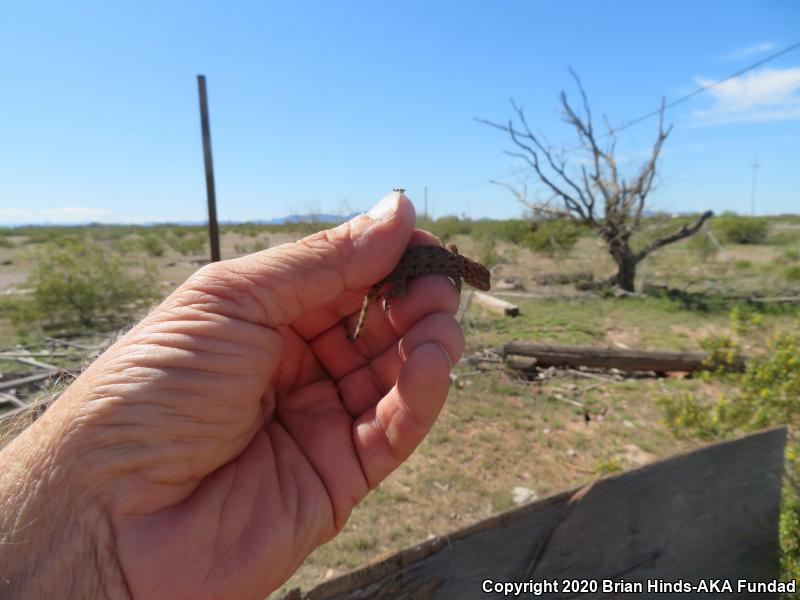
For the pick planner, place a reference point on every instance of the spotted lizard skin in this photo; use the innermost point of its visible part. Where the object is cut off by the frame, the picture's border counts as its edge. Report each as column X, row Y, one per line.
column 420, row 260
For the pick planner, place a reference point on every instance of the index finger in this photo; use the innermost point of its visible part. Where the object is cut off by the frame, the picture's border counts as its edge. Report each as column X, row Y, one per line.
column 316, row 322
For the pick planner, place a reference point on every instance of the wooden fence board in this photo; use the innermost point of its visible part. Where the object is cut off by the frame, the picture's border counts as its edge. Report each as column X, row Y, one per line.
column 708, row 513
column 626, row 359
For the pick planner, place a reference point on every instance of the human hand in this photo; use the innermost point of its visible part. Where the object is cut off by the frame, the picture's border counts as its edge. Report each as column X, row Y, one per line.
column 234, row 429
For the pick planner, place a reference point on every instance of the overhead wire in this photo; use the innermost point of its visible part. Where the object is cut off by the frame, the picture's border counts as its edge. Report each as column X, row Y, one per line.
column 652, row 113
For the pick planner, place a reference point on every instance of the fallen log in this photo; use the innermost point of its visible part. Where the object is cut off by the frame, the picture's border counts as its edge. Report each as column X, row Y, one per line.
column 551, row 355
column 496, row 305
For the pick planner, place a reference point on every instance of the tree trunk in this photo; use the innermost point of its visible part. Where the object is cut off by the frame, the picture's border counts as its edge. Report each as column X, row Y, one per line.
column 626, row 274
column 626, row 264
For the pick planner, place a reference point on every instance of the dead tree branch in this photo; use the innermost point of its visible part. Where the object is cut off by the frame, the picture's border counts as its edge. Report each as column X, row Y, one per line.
column 596, row 192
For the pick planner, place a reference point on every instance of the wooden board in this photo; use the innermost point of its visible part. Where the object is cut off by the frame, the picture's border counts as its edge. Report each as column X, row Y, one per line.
column 626, row 359
column 707, row 514
column 496, row 304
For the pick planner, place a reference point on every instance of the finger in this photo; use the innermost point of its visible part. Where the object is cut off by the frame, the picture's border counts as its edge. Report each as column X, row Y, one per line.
column 439, row 327
column 386, row 435
column 426, row 295
column 298, row 366
column 331, row 315
column 363, row 388
column 314, row 418
column 276, row 286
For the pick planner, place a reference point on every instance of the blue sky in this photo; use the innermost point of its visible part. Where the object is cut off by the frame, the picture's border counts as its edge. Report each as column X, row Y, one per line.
column 325, row 106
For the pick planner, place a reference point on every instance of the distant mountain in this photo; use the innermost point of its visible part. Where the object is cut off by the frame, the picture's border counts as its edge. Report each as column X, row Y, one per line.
column 307, row 218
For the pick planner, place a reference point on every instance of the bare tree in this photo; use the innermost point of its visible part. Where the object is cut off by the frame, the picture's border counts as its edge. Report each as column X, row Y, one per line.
column 594, row 192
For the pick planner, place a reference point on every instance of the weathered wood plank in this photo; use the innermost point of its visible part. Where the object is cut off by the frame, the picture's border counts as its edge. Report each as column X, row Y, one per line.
column 709, row 513
column 553, row 355
column 28, row 380
column 496, row 304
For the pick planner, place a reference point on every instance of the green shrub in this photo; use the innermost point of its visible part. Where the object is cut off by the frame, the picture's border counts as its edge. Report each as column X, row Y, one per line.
column 743, row 264
column 152, row 244
column 251, row 247
column 791, row 254
column 768, row 394
column 81, row 283
column 489, row 256
column 510, row 230
column 792, row 273
column 188, row 243
column 736, row 229
column 703, row 246
column 555, row 237
column 446, row 227
column 783, row 238
column 127, row 245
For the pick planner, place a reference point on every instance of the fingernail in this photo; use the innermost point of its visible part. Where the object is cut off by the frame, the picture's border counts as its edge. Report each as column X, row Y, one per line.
column 385, row 208
column 444, row 351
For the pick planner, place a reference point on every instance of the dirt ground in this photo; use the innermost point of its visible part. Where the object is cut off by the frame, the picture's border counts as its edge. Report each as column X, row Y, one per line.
column 498, row 430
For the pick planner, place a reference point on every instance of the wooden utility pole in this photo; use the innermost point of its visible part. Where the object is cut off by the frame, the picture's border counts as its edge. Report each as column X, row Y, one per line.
column 755, row 167
column 213, row 227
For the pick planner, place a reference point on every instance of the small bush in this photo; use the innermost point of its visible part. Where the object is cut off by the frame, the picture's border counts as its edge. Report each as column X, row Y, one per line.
column 446, row 227
column 251, row 247
column 555, row 237
column 153, row 245
column 127, row 245
column 791, row 254
column 783, row 238
column 743, row 264
column 703, row 246
column 736, row 229
column 768, row 394
column 489, row 256
column 188, row 243
column 792, row 273
column 510, row 230
column 80, row 282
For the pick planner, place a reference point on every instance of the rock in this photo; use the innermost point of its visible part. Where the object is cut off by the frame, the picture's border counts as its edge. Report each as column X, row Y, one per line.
column 522, row 495
column 508, row 283
column 633, row 455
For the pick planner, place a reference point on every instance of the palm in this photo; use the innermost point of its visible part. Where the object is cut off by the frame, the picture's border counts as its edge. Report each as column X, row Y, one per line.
column 282, row 430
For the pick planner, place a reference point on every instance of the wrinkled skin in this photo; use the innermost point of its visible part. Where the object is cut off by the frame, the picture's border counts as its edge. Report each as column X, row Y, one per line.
column 235, row 428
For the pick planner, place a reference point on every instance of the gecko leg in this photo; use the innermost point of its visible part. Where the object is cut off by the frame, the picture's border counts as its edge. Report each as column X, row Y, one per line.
column 369, row 297
column 398, row 289
column 457, row 283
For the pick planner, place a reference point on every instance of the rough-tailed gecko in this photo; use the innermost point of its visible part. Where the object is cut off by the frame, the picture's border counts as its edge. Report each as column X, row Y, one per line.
column 420, row 260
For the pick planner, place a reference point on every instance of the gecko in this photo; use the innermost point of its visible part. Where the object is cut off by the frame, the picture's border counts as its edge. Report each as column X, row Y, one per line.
column 420, row 260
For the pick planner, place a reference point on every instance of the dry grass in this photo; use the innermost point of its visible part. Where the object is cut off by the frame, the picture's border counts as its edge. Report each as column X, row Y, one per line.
column 497, row 431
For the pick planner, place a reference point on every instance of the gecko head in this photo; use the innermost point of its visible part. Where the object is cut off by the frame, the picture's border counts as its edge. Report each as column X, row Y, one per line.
column 478, row 276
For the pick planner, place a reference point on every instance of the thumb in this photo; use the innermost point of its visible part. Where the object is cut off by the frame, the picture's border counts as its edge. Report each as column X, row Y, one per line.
column 291, row 280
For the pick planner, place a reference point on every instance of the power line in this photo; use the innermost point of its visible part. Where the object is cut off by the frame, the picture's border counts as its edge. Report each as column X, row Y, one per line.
column 653, row 113
column 713, row 84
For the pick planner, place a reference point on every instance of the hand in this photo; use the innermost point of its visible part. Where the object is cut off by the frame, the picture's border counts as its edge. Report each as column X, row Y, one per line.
column 235, row 428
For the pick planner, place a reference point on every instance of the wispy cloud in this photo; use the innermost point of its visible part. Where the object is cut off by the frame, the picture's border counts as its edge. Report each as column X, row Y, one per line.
column 63, row 215
column 764, row 95
column 749, row 51
column 78, row 213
